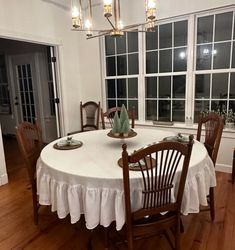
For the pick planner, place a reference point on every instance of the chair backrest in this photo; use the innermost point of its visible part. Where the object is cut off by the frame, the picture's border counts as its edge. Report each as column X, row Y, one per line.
column 30, row 143
column 158, row 164
column 109, row 114
column 90, row 113
column 214, row 125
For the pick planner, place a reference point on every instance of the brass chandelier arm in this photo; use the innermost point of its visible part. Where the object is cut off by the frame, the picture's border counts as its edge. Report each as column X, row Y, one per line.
column 111, row 23
column 99, row 35
column 136, row 25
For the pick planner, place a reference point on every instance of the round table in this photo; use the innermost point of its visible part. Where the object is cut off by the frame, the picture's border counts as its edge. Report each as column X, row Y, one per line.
column 88, row 180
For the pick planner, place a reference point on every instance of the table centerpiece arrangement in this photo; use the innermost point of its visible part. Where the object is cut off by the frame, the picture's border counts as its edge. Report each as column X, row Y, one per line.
column 121, row 125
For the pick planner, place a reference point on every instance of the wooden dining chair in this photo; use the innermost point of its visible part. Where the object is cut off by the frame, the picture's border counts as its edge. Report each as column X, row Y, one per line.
column 30, row 144
column 213, row 125
column 161, row 193
column 109, row 115
column 89, row 115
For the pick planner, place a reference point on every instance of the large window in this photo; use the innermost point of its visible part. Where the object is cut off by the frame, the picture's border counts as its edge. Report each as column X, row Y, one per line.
column 215, row 63
column 166, row 68
column 122, row 70
column 170, row 75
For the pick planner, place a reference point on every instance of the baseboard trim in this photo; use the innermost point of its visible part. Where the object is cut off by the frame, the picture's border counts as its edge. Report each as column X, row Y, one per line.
column 3, row 179
column 223, row 168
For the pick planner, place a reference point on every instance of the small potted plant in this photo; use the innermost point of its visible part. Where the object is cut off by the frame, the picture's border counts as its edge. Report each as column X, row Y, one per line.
column 124, row 121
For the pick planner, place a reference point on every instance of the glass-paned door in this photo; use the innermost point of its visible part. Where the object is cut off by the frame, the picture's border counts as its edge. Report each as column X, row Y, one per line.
column 24, row 79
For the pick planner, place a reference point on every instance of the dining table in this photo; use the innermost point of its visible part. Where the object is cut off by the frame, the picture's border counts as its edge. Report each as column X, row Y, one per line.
column 88, row 180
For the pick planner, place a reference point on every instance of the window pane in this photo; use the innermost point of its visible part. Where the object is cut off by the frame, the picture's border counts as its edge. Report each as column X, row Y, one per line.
column 109, row 45
column 179, row 86
column 111, row 92
column 204, row 57
column 221, row 55
column 152, row 40
column 133, row 87
column 151, row 62
column 121, row 44
column 178, row 111
column 180, row 33
column 24, row 70
column 219, row 85
column 110, row 66
column 205, row 29
column 165, row 61
column 233, row 62
column 151, row 110
column 134, row 104
column 232, row 86
column 232, row 105
column 219, row 105
column 180, row 59
column 202, row 87
column 164, row 87
column 121, row 102
column 199, row 107
column 164, row 110
column 151, row 87
column 121, row 88
column 133, row 64
column 165, row 33
column 223, row 26
column 111, row 104
column 132, row 42
column 121, row 65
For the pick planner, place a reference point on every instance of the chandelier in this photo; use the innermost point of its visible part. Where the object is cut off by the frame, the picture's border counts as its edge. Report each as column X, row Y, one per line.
column 111, row 10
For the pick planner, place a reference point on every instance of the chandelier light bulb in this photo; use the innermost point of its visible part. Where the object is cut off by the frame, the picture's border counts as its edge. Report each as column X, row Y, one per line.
column 88, row 27
column 150, row 9
column 151, row 4
column 107, row 8
column 75, row 12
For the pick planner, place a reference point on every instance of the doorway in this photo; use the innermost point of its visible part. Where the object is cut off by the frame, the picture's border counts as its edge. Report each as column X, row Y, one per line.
column 30, row 86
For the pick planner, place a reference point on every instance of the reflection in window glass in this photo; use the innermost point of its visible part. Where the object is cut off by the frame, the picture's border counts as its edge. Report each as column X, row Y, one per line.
column 133, row 64
column 232, row 105
column 111, row 104
column 200, row 106
column 180, row 59
column 233, row 61
column 121, row 44
column 121, row 65
column 110, row 86
column 178, row 111
column 109, row 45
column 152, row 40
column 165, row 61
column 151, row 87
column 221, row 55
column 205, row 29
column 180, row 33
column 151, row 110
column 179, row 86
column 133, row 88
column 232, row 86
column 164, row 87
column 164, row 110
column 134, row 103
column 204, row 57
column 132, row 42
column 202, row 86
column 152, row 62
column 219, row 86
column 219, row 105
column 223, row 26
column 165, row 33
column 110, row 66
column 121, row 88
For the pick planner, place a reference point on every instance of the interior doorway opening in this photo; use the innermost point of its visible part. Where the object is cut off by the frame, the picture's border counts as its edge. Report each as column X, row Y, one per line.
column 28, row 87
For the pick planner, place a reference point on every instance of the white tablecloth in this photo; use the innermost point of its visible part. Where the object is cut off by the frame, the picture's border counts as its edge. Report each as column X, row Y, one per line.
column 88, row 180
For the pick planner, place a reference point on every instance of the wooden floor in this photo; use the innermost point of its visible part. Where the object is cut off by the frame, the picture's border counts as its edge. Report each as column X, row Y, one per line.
column 17, row 230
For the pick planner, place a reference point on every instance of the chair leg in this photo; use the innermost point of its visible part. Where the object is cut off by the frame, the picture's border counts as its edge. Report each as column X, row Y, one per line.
column 106, row 238
column 212, row 203
column 233, row 169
